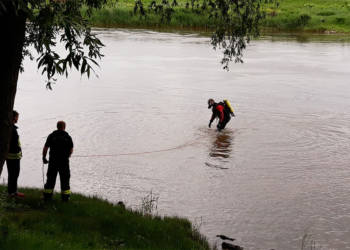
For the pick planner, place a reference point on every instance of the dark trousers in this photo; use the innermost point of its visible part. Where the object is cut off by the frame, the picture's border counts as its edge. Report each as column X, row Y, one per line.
column 54, row 168
column 222, row 125
column 13, row 168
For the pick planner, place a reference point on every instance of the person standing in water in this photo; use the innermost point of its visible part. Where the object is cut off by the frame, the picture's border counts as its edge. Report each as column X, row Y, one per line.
column 222, row 111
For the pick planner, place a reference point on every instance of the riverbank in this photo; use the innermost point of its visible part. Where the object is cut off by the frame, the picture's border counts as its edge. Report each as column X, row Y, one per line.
column 313, row 16
column 88, row 223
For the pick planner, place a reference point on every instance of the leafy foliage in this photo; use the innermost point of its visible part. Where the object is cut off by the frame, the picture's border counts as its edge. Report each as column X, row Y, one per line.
column 50, row 21
column 303, row 20
column 234, row 23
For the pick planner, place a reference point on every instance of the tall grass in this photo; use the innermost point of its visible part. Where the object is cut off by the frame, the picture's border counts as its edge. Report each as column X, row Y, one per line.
column 319, row 16
column 124, row 17
column 285, row 15
column 90, row 223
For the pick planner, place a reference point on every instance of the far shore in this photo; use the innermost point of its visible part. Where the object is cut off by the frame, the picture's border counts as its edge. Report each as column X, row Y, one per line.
column 288, row 17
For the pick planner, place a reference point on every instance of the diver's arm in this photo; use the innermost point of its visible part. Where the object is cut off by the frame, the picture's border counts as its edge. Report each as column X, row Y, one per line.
column 212, row 119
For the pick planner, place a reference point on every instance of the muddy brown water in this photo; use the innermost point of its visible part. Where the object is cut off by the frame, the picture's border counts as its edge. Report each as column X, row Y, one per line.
column 280, row 170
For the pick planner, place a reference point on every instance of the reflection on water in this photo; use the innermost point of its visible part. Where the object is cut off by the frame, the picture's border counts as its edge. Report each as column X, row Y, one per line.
column 220, row 149
column 221, row 146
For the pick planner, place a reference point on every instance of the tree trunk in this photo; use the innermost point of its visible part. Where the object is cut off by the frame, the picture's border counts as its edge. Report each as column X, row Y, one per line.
column 12, row 33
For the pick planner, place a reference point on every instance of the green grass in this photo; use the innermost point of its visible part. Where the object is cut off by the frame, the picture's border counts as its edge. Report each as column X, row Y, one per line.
column 322, row 16
column 122, row 16
column 288, row 15
column 88, row 223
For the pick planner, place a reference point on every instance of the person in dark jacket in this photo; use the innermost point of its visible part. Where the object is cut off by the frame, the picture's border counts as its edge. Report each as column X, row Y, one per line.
column 219, row 111
column 61, row 147
column 13, row 159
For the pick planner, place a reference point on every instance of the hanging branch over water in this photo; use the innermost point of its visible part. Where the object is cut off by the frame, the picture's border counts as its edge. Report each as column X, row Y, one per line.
column 234, row 22
column 48, row 20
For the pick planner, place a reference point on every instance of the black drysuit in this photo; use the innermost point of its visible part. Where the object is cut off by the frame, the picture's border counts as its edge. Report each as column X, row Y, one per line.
column 221, row 111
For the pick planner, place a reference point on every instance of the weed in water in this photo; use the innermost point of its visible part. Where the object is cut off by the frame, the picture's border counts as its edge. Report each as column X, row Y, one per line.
column 149, row 204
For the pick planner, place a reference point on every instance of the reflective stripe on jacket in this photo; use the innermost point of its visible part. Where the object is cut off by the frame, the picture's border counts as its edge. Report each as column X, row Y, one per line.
column 15, row 151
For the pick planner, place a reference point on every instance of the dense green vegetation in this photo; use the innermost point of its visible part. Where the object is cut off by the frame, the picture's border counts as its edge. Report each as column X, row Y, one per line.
column 88, row 223
column 310, row 15
column 122, row 14
column 323, row 16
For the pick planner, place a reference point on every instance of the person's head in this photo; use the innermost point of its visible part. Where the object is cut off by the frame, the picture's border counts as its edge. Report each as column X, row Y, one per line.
column 211, row 102
column 61, row 125
column 15, row 116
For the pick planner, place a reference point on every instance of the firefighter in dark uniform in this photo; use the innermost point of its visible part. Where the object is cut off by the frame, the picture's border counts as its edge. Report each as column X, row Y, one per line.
column 219, row 111
column 61, row 147
column 13, row 159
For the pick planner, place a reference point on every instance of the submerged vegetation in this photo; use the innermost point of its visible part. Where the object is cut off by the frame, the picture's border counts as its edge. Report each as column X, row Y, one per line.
column 88, row 223
column 322, row 16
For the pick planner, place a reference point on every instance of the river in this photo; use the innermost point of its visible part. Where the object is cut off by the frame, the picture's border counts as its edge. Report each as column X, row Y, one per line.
column 279, row 171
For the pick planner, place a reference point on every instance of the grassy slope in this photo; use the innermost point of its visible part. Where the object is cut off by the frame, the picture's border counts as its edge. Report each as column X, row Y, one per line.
column 326, row 15
column 88, row 223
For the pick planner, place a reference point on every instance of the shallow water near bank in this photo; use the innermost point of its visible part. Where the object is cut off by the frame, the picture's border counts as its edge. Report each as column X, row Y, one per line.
column 279, row 170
